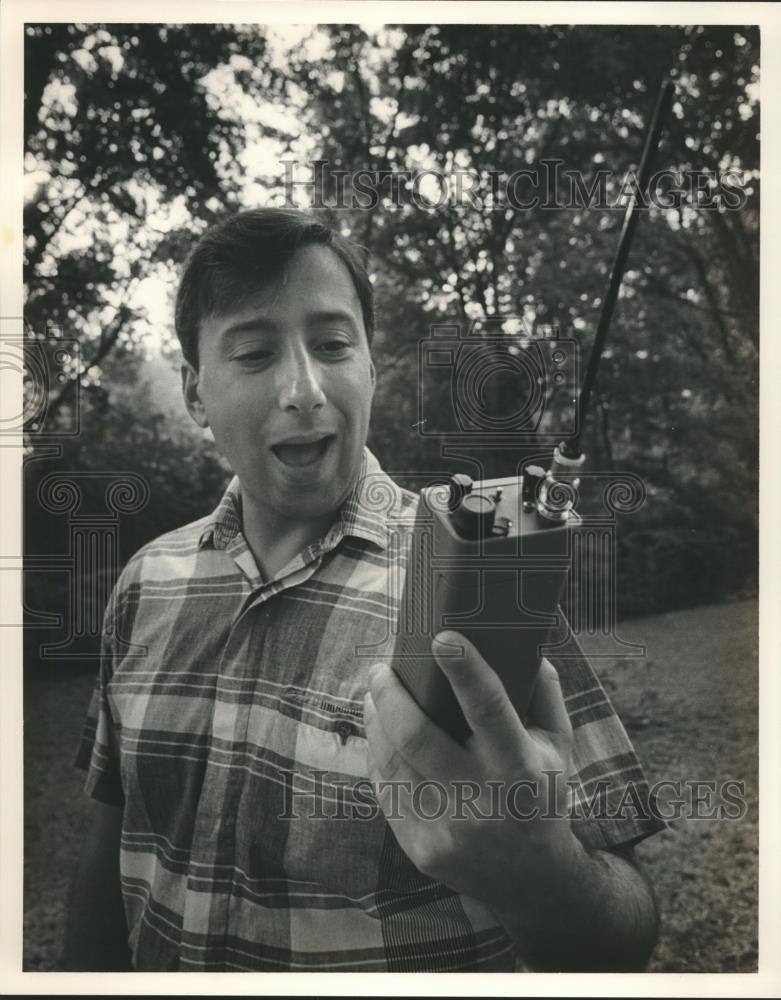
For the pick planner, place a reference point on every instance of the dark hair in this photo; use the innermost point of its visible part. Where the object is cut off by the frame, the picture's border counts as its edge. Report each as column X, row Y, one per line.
column 245, row 251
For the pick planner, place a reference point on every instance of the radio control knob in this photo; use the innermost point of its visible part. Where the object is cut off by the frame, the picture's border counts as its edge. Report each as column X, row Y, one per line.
column 475, row 517
column 460, row 486
column 533, row 475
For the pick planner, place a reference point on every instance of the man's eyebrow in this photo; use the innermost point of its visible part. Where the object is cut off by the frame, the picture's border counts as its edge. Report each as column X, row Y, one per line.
column 258, row 324
column 261, row 324
column 332, row 316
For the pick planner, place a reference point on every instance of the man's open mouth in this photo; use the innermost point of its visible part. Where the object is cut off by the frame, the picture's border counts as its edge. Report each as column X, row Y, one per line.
column 303, row 453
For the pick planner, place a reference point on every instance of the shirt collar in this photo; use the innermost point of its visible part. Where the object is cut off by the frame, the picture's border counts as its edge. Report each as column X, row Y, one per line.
column 373, row 502
column 224, row 522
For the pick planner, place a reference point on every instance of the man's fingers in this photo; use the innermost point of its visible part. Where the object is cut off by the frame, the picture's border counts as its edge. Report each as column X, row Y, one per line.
column 388, row 763
column 410, row 731
column 547, row 710
column 477, row 687
column 393, row 778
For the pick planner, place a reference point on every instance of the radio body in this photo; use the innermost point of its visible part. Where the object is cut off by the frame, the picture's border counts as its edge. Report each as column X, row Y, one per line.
column 486, row 563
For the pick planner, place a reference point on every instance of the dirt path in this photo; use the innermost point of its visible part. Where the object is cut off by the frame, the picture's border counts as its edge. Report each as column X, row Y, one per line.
column 690, row 708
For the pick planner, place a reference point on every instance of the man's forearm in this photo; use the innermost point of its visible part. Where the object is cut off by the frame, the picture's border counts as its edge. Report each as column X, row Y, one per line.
column 96, row 930
column 597, row 913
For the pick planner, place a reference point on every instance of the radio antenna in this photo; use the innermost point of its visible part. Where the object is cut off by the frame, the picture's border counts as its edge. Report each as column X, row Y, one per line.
column 569, row 449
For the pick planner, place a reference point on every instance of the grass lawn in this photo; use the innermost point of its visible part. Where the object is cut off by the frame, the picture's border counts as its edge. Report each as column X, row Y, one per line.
column 690, row 707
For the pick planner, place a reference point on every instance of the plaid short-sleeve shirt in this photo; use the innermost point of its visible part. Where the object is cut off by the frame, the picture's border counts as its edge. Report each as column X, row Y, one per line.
column 227, row 721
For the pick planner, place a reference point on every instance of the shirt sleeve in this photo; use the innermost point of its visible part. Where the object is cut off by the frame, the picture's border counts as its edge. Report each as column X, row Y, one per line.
column 98, row 753
column 610, row 801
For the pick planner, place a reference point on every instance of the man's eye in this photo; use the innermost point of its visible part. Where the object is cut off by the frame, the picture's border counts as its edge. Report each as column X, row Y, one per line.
column 334, row 346
column 253, row 357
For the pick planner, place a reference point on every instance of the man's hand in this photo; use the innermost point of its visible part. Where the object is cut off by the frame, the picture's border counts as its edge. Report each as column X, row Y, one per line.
column 490, row 820
column 471, row 854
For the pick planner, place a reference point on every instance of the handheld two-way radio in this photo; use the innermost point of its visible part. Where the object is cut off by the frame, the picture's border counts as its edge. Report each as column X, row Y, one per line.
column 489, row 559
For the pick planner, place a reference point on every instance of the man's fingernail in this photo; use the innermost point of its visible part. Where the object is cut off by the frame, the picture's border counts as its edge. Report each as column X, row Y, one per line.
column 448, row 637
column 368, row 706
column 448, row 643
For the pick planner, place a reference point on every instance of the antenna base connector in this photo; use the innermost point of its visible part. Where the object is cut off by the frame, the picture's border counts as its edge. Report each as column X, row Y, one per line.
column 555, row 497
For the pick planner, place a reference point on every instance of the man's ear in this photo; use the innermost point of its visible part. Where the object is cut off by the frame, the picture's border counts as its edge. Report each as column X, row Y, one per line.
column 191, row 394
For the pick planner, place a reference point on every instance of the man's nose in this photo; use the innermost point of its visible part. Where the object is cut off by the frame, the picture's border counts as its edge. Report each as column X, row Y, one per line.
column 299, row 384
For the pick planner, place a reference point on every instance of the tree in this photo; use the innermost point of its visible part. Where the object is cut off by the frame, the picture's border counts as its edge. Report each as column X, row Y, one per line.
column 124, row 142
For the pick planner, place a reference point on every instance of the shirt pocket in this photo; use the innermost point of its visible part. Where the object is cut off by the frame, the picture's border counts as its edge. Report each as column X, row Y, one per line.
column 331, row 735
column 321, row 824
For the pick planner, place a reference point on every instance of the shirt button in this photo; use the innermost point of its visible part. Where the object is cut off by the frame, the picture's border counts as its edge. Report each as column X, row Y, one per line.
column 345, row 729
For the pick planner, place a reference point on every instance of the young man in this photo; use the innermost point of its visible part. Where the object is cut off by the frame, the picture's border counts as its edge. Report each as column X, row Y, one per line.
column 239, row 712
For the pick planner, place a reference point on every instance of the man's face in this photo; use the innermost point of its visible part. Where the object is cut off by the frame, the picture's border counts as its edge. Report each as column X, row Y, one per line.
column 286, row 384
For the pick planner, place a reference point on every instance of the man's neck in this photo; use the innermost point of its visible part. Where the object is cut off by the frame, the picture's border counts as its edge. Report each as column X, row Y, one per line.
column 274, row 540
